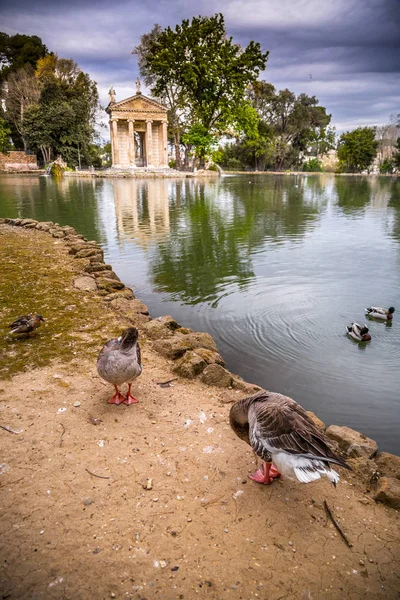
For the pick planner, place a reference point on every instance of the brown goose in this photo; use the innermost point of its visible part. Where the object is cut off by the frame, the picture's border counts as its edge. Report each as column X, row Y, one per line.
column 120, row 362
column 26, row 323
column 280, row 431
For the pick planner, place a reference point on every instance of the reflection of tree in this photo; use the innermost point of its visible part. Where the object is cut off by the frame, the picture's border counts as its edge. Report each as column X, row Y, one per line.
column 394, row 205
column 354, row 193
column 67, row 201
column 219, row 226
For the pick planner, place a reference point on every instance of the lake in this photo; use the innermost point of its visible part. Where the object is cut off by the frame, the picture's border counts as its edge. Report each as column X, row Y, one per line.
column 273, row 267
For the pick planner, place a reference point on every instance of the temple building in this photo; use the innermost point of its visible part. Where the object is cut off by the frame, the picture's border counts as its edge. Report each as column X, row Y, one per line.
column 138, row 130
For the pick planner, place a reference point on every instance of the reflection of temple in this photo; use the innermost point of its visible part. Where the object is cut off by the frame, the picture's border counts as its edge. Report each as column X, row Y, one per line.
column 138, row 129
column 142, row 209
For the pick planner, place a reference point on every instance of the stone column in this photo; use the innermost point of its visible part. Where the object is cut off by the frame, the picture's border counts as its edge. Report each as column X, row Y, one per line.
column 131, row 143
column 114, row 143
column 165, row 143
column 149, row 143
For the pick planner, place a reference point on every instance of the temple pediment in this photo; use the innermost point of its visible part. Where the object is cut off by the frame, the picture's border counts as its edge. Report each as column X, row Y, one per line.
column 137, row 103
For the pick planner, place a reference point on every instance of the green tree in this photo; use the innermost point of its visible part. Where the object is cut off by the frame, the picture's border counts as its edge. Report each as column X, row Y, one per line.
column 396, row 155
column 17, row 51
column 22, row 91
column 5, row 132
column 357, row 149
column 208, row 73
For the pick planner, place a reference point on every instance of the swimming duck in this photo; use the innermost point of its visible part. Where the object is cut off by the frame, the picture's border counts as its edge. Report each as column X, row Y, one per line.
column 358, row 332
column 376, row 312
column 26, row 323
column 120, row 362
column 280, row 432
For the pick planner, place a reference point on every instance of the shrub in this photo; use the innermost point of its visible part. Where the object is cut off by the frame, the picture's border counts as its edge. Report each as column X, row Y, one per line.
column 312, row 165
column 386, row 166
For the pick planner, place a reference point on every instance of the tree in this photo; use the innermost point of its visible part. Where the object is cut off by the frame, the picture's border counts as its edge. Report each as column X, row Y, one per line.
column 396, row 155
column 357, row 149
column 22, row 91
column 5, row 132
column 207, row 73
column 18, row 51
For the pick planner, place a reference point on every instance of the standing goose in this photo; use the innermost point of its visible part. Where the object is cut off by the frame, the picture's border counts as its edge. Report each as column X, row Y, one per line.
column 120, row 362
column 280, row 431
column 376, row 312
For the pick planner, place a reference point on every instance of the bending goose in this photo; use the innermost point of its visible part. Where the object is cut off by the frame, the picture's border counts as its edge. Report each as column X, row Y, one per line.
column 120, row 362
column 376, row 312
column 26, row 323
column 280, row 431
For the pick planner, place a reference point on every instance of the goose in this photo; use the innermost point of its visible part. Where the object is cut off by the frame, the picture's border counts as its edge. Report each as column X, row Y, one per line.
column 280, row 432
column 376, row 312
column 360, row 333
column 120, row 362
column 26, row 323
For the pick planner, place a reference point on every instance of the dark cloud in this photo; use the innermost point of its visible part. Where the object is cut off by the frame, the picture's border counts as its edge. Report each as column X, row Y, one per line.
column 345, row 52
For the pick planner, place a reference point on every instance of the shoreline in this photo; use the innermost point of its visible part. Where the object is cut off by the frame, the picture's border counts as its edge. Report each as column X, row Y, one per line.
column 153, row 500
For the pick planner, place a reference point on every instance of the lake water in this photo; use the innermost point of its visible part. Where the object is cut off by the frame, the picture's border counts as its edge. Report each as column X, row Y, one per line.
column 273, row 267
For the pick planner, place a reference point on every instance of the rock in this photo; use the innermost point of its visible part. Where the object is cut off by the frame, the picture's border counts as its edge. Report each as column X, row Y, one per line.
column 352, row 442
column 85, row 283
column 109, row 284
column 44, row 226
column 201, row 340
column 96, row 258
column 108, row 274
column 156, row 330
column 217, row 375
column 97, row 267
column 210, row 356
column 172, row 347
column 185, row 330
column 86, row 252
column 2, row 220
column 244, row 386
column 169, row 322
column 30, row 226
column 388, row 491
column 125, row 293
column 68, row 230
column 364, row 468
column 190, row 365
column 57, row 233
column 388, row 464
column 76, row 247
column 28, row 222
column 129, row 308
column 317, row 422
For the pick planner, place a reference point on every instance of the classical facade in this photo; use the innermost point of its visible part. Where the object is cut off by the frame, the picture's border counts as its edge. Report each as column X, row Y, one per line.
column 138, row 129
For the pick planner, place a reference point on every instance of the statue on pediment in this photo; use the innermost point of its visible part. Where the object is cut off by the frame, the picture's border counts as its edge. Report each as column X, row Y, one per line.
column 138, row 86
column 111, row 94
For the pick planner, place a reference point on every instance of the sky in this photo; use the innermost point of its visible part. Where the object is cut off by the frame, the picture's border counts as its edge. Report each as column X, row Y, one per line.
column 345, row 52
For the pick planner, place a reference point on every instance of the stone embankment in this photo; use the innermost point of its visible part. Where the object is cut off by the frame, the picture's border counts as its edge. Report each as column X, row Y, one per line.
column 195, row 355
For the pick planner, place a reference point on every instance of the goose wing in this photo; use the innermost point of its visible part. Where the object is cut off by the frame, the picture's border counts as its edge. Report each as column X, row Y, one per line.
column 279, row 424
column 23, row 321
column 377, row 309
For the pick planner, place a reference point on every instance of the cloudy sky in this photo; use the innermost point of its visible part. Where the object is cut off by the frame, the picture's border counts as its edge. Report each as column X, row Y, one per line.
column 346, row 52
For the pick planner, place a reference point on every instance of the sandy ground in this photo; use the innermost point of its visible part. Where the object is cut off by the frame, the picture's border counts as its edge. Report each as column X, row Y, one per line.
column 77, row 523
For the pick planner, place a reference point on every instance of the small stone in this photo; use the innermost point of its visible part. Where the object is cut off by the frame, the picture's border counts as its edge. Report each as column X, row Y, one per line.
column 163, row 564
column 155, row 499
column 226, row 530
column 113, row 595
column 174, row 568
column 88, row 502
column 149, row 484
column 189, row 520
column 362, row 562
column 290, row 543
column 77, row 403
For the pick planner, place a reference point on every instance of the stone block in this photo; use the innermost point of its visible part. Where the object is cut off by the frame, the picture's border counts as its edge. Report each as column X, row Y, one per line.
column 86, row 252
column 156, row 330
column 97, row 267
column 388, row 491
column 388, row 464
column 317, row 422
column 190, row 365
column 217, row 375
column 108, row 274
column 201, row 340
column 111, row 285
column 352, row 442
column 209, row 356
column 125, row 293
column 85, row 283
column 172, row 347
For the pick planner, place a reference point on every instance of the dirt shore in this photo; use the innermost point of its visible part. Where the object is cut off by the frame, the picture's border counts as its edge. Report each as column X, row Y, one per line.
column 78, row 521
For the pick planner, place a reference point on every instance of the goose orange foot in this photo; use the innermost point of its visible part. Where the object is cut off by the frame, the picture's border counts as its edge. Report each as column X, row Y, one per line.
column 129, row 398
column 266, row 474
column 118, row 398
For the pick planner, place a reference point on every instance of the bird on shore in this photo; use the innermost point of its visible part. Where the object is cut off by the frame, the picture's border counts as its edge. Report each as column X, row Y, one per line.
column 26, row 323
column 120, row 362
column 384, row 314
column 283, row 435
column 360, row 333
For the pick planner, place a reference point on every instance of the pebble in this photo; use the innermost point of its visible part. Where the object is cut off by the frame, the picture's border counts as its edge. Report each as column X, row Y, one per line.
column 87, row 502
column 77, row 403
column 189, row 520
column 290, row 543
column 226, row 530
column 113, row 595
column 155, row 499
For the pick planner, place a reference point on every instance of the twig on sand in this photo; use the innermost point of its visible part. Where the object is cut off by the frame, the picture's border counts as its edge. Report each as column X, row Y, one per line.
column 61, row 438
column 166, row 383
column 336, row 524
column 94, row 474
column 7, row 428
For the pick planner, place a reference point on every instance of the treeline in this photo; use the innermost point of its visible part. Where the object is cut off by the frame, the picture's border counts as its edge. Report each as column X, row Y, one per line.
column 49, row 104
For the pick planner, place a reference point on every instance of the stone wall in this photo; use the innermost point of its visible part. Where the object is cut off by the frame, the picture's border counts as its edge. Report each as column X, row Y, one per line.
column 17, row 161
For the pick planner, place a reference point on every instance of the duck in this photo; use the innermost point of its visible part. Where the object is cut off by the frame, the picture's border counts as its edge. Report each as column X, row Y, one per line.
column 26, row 323
column 120, row 362
column 360, row 333
column 282, row 434
column 384, row 314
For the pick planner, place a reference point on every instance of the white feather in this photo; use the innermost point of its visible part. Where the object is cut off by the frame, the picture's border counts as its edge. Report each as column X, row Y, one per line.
column 291, row 466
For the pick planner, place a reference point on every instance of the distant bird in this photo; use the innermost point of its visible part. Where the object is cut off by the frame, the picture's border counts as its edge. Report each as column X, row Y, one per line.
column 360, row 333
column 376, row 312
column 280, row 432
column 26, row 323
column 120, row 362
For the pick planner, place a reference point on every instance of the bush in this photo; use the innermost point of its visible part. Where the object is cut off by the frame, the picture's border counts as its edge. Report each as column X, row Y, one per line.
column 212, row 167
column 313, row 165
column 172, row 164
column 233, row 164
column 386, row 166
